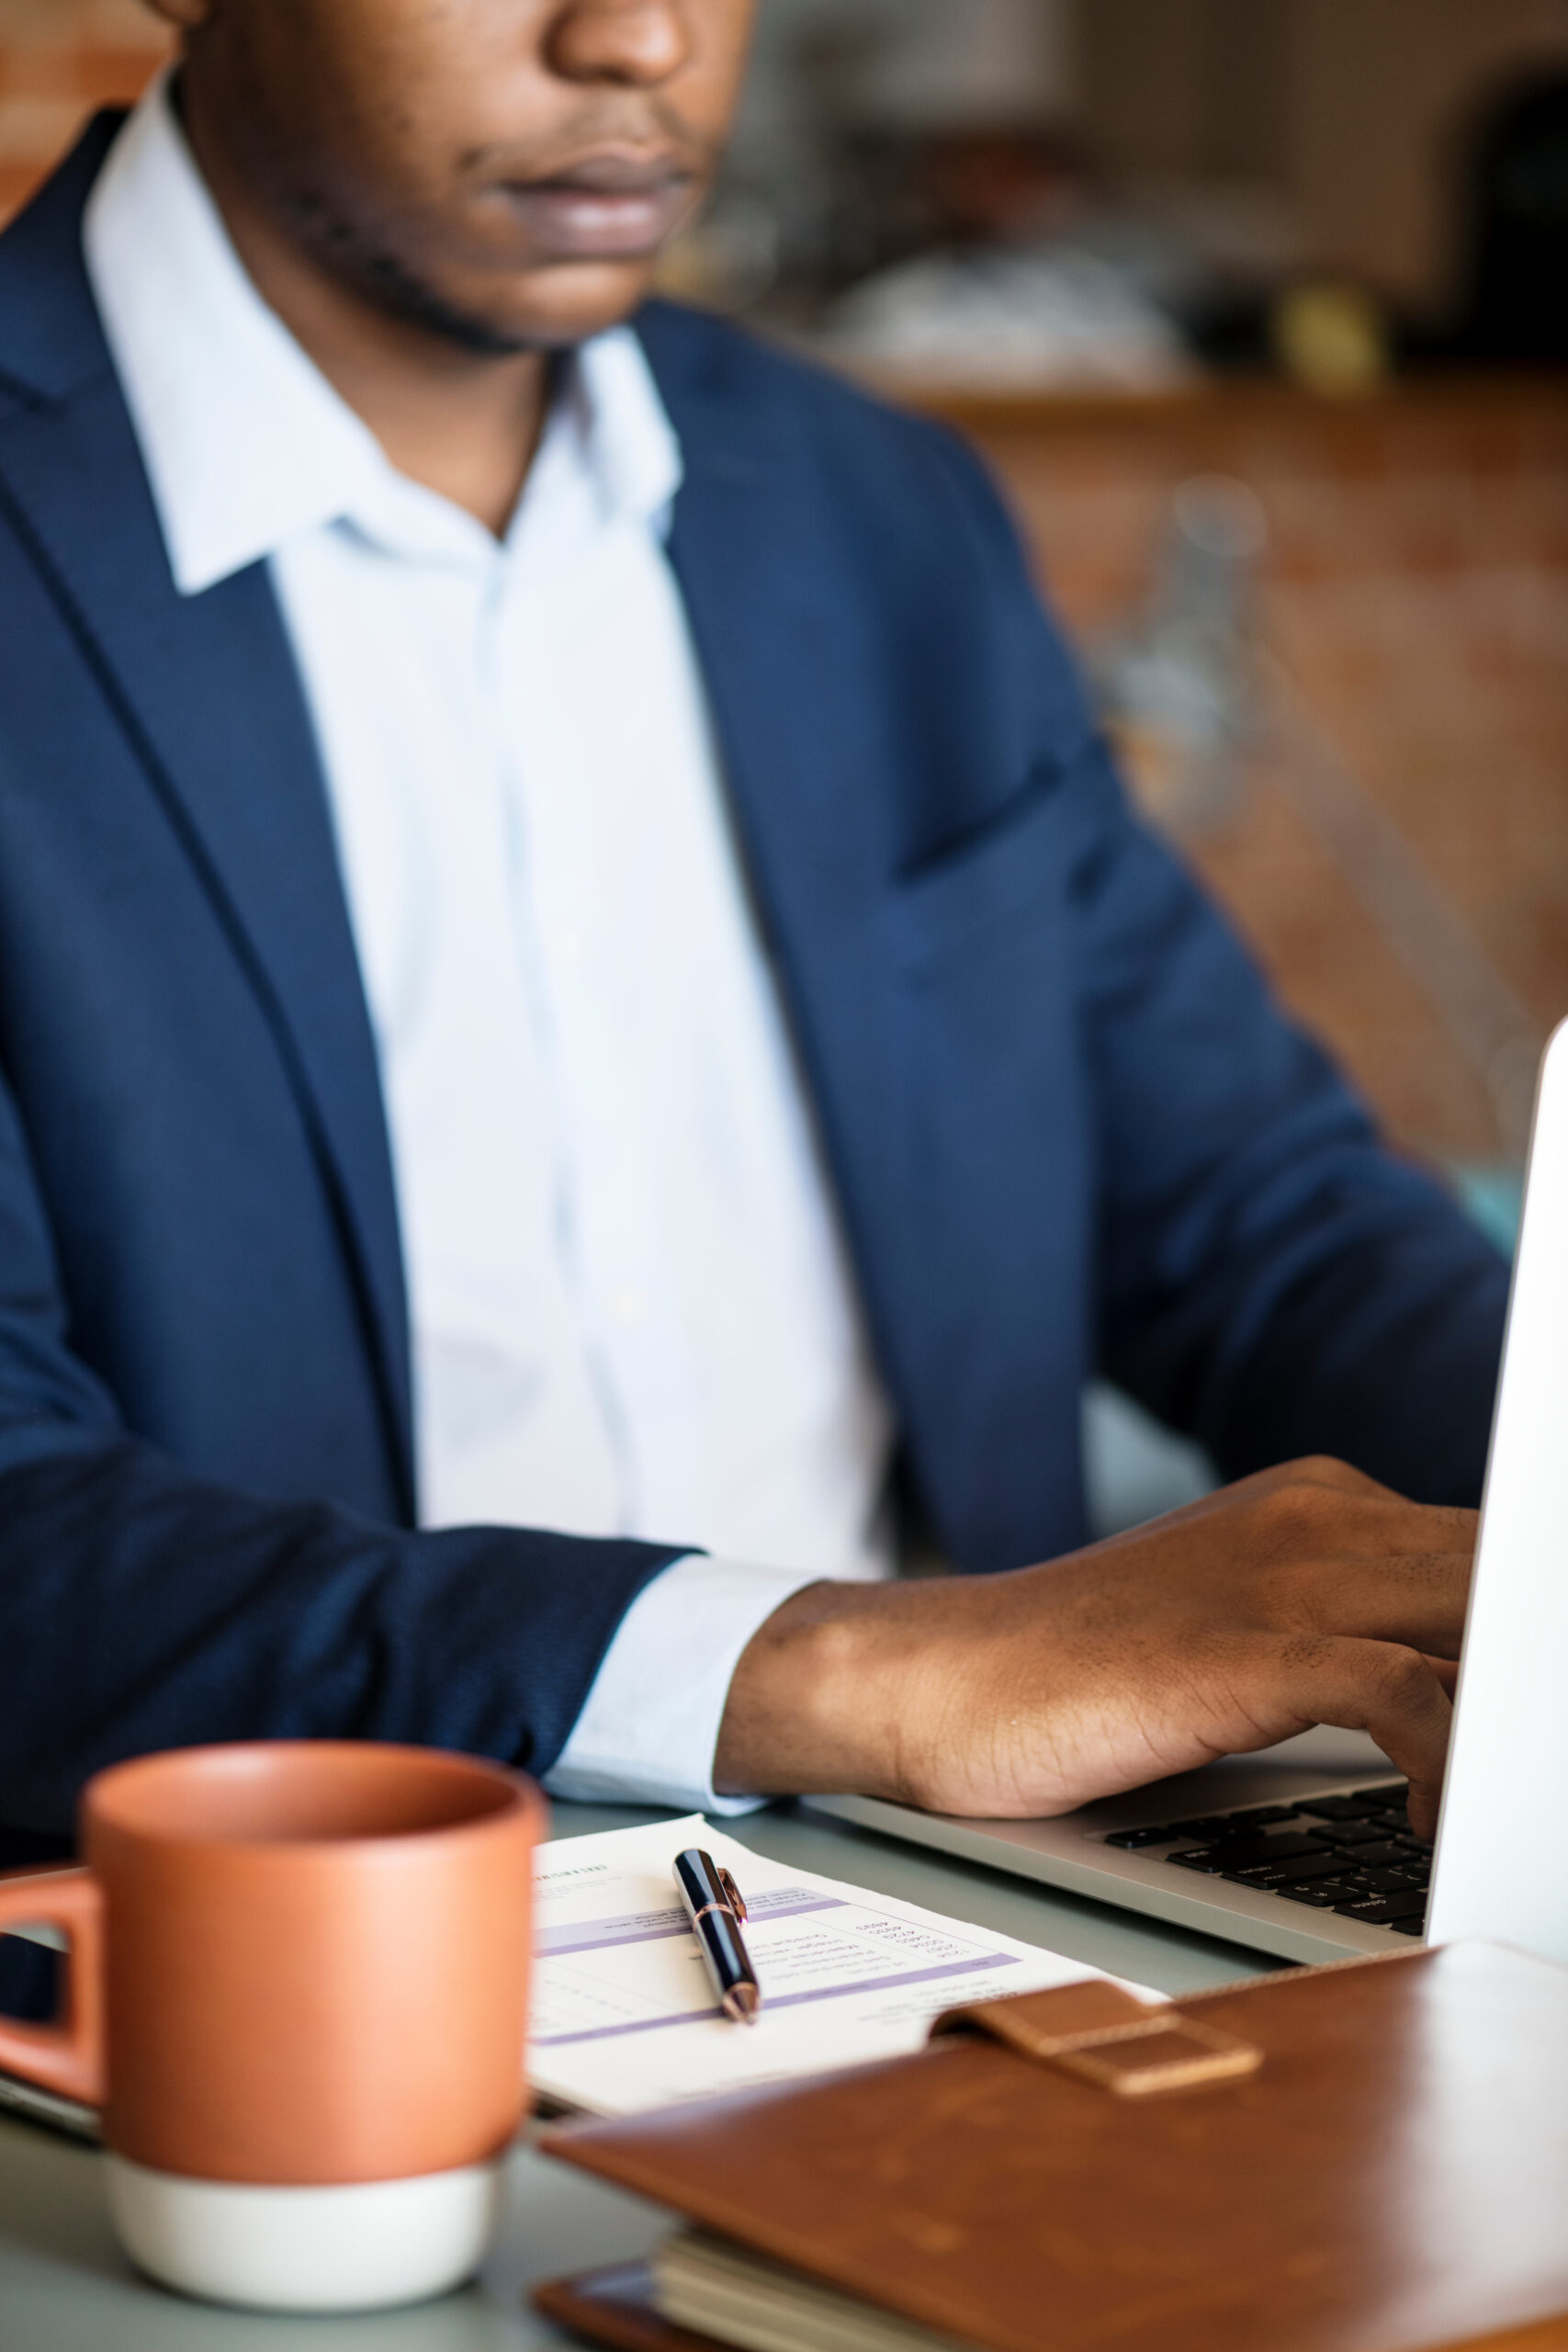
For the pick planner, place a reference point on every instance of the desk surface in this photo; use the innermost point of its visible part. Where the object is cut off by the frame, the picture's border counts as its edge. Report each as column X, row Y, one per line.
column 65, row 2286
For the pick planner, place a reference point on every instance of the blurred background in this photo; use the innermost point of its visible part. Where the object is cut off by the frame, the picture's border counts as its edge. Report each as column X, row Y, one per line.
column 1259, row 308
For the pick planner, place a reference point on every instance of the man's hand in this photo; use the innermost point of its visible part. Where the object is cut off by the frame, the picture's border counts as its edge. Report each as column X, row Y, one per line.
column 1306, row 1595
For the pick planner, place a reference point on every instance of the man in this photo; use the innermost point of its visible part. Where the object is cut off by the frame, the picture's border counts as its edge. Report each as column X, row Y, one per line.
column 570, row 960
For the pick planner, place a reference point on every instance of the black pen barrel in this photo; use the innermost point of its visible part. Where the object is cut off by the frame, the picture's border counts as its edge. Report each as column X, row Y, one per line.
column 711, row 1905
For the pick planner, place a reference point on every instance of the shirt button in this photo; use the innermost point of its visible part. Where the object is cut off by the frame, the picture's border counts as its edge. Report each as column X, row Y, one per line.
column 628, row 1307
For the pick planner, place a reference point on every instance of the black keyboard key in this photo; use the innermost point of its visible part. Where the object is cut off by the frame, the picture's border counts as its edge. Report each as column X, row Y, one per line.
column 1130, row 1840
column 1408, row 1927
column 1274, row 1875
column 1337, row 1808
column 1212, row 1825
column 1354, row 1832
column 1378, row 1857
column 1269, row 1846
column 1258, row 1816
column 1323, row 1893
column 1390, row 1881
column 1242, row 1853
column 1382, row 1910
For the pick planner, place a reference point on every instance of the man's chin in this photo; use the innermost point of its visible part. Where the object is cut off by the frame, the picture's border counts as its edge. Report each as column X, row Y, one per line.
column 571, row 301
column 549, row 307
column 499, row 313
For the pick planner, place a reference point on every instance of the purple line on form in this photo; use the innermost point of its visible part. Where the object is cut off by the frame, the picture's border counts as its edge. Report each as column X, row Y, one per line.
column 788, row 2000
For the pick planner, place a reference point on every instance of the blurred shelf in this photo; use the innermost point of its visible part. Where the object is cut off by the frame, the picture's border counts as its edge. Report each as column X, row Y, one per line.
column 1219, row 399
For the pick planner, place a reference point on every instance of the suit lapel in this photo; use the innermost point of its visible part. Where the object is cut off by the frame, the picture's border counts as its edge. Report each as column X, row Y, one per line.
column 840, row 789
column 208, row 692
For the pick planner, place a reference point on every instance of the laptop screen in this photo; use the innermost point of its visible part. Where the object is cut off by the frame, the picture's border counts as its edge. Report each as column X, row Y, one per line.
column 1501, row 1869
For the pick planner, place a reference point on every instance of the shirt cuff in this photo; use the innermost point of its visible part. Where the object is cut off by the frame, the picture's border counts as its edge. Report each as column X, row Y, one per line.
column 650, row 1725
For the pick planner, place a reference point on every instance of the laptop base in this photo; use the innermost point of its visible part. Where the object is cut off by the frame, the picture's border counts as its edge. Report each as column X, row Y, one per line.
column 1069, row 1851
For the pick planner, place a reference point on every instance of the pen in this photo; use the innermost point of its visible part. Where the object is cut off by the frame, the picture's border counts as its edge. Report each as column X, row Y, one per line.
column 716, row 1907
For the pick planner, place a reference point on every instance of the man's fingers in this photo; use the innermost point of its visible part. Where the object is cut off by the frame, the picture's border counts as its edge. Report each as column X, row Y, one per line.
column 1310, row 1517
column 1382, row 1688
column 1419, row 1598
column 1383, row 1526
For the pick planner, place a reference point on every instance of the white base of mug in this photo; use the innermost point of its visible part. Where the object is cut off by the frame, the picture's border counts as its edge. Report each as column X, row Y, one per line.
column 364, row 2246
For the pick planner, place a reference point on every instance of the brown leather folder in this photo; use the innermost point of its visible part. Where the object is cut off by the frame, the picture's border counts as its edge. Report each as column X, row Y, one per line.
column 1370, row 2157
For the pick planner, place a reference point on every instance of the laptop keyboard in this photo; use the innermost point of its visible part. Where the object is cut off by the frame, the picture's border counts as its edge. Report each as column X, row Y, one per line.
column 1353, row 1854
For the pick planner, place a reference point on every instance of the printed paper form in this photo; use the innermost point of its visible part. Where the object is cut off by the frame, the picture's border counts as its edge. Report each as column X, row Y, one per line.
column 624, row 2012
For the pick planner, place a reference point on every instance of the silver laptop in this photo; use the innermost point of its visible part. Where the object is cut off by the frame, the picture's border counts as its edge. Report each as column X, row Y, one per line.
column 1306, row 1849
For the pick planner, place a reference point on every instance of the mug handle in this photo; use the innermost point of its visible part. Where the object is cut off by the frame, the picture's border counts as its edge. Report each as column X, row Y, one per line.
column 67, row 2058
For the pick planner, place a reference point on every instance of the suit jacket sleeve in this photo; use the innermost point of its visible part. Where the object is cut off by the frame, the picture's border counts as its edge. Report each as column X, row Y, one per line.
column 1273, row 1280
column 143, row 1608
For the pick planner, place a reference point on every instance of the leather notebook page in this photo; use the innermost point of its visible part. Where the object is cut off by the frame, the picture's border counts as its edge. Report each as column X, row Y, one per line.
column 1372, row 2157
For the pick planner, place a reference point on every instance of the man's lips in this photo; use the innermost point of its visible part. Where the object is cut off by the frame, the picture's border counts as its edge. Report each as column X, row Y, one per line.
column 605, row 208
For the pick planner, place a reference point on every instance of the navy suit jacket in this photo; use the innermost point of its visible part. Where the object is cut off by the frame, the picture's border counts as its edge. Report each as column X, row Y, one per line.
column 1066, row 1124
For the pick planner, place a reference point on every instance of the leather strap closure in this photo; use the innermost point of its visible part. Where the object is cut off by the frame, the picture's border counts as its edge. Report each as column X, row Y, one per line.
column 1104, row 2036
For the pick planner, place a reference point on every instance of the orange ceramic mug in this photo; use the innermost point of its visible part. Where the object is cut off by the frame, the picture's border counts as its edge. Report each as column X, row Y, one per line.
column 299, row 1992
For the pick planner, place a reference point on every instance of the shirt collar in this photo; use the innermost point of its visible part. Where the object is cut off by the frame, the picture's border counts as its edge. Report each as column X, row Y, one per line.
column 247, row 445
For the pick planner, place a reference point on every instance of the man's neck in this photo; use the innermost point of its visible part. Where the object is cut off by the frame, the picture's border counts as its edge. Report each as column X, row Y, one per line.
column 466, row 424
